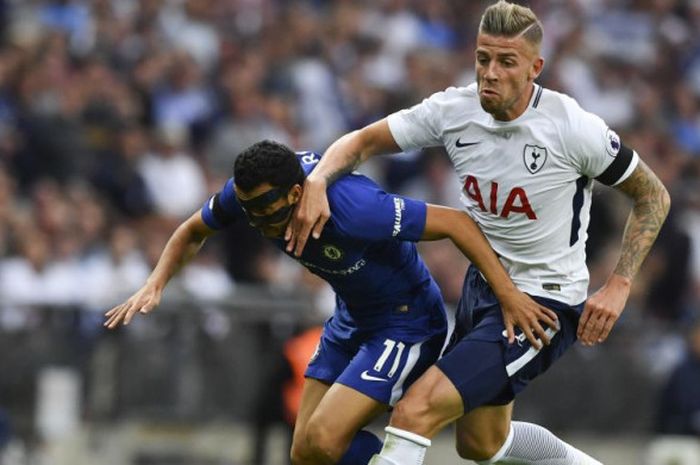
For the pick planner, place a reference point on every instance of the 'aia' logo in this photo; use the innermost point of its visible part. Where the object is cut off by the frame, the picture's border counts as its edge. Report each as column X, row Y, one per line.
column 517, row 201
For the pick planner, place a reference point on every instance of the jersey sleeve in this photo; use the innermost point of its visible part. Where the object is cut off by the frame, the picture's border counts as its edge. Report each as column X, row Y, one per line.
column 418, row 126
column 222, row 208
column 361, row 210
column 597, row 150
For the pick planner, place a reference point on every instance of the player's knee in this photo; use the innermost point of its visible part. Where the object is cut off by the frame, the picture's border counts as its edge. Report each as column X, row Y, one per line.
column 323, row 444
column 471, row 449
column 298, row 454
column 479, row 447
column 416, row 413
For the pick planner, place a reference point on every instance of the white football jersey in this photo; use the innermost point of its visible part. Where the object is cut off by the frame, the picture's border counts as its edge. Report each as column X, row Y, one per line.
column 526, row 182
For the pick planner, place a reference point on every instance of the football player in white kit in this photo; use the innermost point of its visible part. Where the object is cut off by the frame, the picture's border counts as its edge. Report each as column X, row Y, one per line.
column 526, row 157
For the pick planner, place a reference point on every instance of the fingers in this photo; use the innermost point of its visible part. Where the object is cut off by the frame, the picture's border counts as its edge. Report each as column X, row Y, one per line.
column 533, row 321
column 597, row 329
column 291, row 233
column 297, row 233
column 303, row 235
column 586, row 330
column 583, row 322
column 534, row 330
column 541, row 332
column 310, row 216
column 510, row 332
column 124, row 313
column 318, row 228
column 129, row 315
column 112, row 311
column 299, row 242
column 549, row 317
column 115, row 316
column 609, row 323
column 595, row 325
column 536, row 343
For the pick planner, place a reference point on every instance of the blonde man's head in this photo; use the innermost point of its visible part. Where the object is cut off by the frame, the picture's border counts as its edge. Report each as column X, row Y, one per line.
column 510, row 20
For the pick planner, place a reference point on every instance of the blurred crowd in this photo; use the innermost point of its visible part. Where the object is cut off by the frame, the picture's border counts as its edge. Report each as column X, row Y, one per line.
column 119, row 117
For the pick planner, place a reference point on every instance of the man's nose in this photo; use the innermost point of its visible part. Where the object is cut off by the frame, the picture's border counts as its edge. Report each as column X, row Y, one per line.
column 491, row 73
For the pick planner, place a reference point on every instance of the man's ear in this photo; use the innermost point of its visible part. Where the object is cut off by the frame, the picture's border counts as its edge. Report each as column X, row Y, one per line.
column 536, row 68
column 294, row 194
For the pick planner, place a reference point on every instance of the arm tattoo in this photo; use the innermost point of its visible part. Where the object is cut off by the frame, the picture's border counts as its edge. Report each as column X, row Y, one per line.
column 346, row 161
column 334, row 175
column 651, row 205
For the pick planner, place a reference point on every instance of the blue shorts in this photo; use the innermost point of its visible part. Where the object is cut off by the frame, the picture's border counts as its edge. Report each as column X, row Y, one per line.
column 483, row 366
column 380, row 363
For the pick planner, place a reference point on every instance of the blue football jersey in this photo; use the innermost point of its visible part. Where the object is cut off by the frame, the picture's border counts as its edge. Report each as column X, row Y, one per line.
column 366, row 251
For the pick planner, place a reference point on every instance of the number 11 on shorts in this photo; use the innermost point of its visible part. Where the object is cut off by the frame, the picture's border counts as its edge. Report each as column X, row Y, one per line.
column 389, row 345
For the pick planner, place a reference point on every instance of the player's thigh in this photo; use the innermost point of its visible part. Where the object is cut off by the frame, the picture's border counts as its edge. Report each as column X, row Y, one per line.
column 481, row 432
column 487, row 370
column 367, row 375
column 431, row 403
column 476, row 367
column 341, row 413
column 311, row 396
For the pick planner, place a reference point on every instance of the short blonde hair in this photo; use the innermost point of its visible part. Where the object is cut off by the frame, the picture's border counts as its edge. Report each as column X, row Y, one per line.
column 510, row 20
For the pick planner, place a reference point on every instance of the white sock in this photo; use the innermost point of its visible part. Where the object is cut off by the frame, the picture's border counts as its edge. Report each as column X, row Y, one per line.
column 401, row 447
column 531, row 444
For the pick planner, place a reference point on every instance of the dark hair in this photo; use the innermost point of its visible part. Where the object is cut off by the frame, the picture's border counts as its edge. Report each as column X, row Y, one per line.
column 267, row 162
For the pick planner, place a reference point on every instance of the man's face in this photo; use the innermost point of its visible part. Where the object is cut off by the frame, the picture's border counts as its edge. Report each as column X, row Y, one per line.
column 505, row 68
column 270, row 218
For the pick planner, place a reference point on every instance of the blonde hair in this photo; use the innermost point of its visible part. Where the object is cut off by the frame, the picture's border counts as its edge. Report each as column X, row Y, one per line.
column 510, row 20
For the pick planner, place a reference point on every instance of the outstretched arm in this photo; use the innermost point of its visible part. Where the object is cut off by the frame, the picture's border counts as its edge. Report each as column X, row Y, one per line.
column 184, row 244
column 344, row 155
column 518, row 308
column 651, row 205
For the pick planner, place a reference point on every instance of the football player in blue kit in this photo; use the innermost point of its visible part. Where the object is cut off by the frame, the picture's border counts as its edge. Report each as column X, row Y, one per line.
column 389, row 323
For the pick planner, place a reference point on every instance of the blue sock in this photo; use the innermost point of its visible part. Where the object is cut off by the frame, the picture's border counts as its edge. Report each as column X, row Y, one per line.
column 363, row 446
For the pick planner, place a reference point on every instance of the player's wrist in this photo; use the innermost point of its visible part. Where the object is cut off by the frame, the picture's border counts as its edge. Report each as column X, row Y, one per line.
column 620, row 281
column 155, row 284
column 505, row 291
column 317, row 179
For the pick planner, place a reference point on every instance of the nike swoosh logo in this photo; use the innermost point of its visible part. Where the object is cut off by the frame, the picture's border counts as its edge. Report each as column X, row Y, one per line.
column 367, row 377
column 464, row 144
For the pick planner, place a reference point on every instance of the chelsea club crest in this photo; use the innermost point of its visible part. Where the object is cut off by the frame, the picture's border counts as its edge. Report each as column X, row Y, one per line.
column 332, row 252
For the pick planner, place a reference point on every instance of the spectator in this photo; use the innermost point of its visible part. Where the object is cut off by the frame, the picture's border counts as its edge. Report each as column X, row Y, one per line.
column 679, row 406
column 174, row 180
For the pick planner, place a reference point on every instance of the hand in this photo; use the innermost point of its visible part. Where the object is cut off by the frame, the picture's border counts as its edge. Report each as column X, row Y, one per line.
column 312, row 212
column 520, row 310
column 146, row 299
column 602, row 310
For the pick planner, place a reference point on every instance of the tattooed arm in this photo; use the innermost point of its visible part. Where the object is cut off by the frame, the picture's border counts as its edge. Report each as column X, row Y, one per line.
column 341, row 158
column 651, row 205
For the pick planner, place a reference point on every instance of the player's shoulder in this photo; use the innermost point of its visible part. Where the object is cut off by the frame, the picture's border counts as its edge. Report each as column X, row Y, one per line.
column 348, row 185
column 455, row 103
column 455, row 95
column 561, row 108
column 352, row 199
